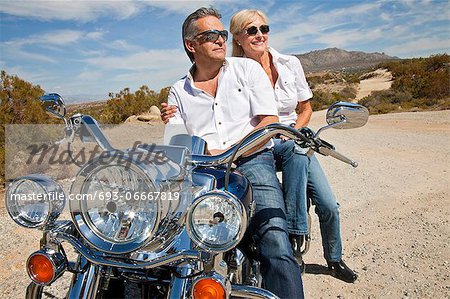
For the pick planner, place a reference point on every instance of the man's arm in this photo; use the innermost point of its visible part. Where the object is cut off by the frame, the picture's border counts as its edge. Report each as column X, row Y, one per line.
column 263, row 121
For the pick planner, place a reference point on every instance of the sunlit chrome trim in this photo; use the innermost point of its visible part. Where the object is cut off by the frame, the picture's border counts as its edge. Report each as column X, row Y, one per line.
column 49, row 187
column 85, row 281
column 249, row 292
column 97, row 259
column 242, row 225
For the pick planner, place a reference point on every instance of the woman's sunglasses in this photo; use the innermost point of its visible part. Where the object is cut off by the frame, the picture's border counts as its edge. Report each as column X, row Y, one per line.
column 212, row 35
column 254, row 30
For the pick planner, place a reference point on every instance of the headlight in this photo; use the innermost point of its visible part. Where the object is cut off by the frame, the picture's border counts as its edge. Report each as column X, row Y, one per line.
column 112, row 205
column 35, row 201
column 216, row 221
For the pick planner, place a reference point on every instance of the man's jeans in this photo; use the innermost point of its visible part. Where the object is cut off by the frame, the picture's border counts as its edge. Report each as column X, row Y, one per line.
column 303, row 177
column 280, row 271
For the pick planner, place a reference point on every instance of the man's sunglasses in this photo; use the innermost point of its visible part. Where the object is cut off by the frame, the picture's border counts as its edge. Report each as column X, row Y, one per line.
column 212, row 35
column 254, row 30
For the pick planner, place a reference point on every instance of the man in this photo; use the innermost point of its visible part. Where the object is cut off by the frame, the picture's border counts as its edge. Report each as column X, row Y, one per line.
column 221, row 100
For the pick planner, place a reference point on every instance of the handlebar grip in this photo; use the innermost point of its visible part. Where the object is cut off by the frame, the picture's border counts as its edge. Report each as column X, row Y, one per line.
column 331, row 152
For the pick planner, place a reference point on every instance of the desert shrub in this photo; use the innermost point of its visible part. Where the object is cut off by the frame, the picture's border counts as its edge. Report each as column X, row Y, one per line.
column 124, row 104
column 352, row 77
column 418, row 84
column 422, row 77
column 349, row 92
column 320, row 79
column 94, row 110
column 390, row 100
column 19, row 105
column 322, row 99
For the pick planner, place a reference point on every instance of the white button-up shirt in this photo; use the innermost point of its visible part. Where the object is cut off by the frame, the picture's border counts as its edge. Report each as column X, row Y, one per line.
column 291, row 86
column 243, row 92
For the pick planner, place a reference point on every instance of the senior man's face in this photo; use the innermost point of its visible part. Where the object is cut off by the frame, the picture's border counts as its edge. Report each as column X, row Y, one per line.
column 215, row 50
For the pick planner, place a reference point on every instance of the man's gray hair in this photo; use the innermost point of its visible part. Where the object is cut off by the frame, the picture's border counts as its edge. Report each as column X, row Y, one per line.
column 190, row 29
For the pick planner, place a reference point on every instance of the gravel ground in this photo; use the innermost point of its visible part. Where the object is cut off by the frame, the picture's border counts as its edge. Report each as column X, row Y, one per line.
column 394, row 208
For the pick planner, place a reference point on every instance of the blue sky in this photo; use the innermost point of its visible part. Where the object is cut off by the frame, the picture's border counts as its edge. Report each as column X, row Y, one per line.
column 86, row 49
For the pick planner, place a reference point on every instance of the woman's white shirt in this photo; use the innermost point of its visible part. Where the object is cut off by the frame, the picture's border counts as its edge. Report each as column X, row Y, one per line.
column 291, row 86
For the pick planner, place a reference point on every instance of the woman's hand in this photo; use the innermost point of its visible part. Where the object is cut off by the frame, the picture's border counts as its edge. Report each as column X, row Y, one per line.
column 167, row 112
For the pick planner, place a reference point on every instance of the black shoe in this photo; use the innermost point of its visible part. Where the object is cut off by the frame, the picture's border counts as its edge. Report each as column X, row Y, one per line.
column 296, row 244
column 341, row 271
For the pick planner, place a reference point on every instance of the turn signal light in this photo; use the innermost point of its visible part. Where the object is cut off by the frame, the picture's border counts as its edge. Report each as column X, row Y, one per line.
column 44, row 266
column 40, row 269
column 208, row 288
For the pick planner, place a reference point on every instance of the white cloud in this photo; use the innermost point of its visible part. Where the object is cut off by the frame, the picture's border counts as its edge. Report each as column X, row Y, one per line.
column 180, row 6
column 27, row 47
column 95, row 35
column 14, row 51
column 70, row 10
column 35, row 76
column 145, row 60
column 154, row 68
column 90, row 76
column 122, row 45
column 433, row 45
column 55, row 38
column 344, row 38
column 379, row 23
column 90, row 10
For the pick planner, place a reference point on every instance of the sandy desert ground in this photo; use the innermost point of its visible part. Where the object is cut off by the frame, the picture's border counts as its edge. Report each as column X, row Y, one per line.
column 381, row 80
column 394, row 207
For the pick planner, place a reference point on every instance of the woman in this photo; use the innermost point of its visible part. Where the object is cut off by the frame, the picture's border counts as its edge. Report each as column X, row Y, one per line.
column 302, row 175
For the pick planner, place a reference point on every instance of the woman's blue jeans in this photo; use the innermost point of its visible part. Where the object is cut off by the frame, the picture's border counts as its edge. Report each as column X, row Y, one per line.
column 280, row 271
column 304, row 178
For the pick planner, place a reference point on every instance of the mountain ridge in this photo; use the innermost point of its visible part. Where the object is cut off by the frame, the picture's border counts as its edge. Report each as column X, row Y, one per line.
column 335, row 59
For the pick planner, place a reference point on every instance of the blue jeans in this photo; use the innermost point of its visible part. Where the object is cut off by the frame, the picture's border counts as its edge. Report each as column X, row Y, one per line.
column 304, row 178
column 280, row 271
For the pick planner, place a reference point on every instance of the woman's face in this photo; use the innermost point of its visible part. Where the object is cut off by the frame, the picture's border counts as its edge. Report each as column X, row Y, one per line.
column 254, row 44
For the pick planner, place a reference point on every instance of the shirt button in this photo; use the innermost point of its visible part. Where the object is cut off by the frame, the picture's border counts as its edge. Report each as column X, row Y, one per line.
column 220, row 123
column 216, row 104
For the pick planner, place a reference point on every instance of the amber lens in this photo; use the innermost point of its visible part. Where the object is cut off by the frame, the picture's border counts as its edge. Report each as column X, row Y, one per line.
column 208, row 288
column 40, row 269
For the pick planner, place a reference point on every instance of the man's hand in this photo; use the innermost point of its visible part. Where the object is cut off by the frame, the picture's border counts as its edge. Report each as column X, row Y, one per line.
column 167, row 112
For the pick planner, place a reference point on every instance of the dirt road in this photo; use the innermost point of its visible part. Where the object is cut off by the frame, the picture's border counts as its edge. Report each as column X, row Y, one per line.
column 394, row 207
column 381, row 79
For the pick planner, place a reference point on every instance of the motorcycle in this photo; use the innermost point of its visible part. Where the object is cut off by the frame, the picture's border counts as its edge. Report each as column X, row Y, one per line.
column 167, row 218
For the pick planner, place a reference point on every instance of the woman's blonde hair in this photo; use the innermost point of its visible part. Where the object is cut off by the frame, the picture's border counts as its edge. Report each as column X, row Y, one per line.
column 238, row 22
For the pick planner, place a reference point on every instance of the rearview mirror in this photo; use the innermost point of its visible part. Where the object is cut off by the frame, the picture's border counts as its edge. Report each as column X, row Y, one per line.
column 344, row 115
column 54, row 104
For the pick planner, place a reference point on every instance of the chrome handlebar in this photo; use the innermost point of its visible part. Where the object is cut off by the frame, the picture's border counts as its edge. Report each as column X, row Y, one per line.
column 254, row 138
column 252, row 141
